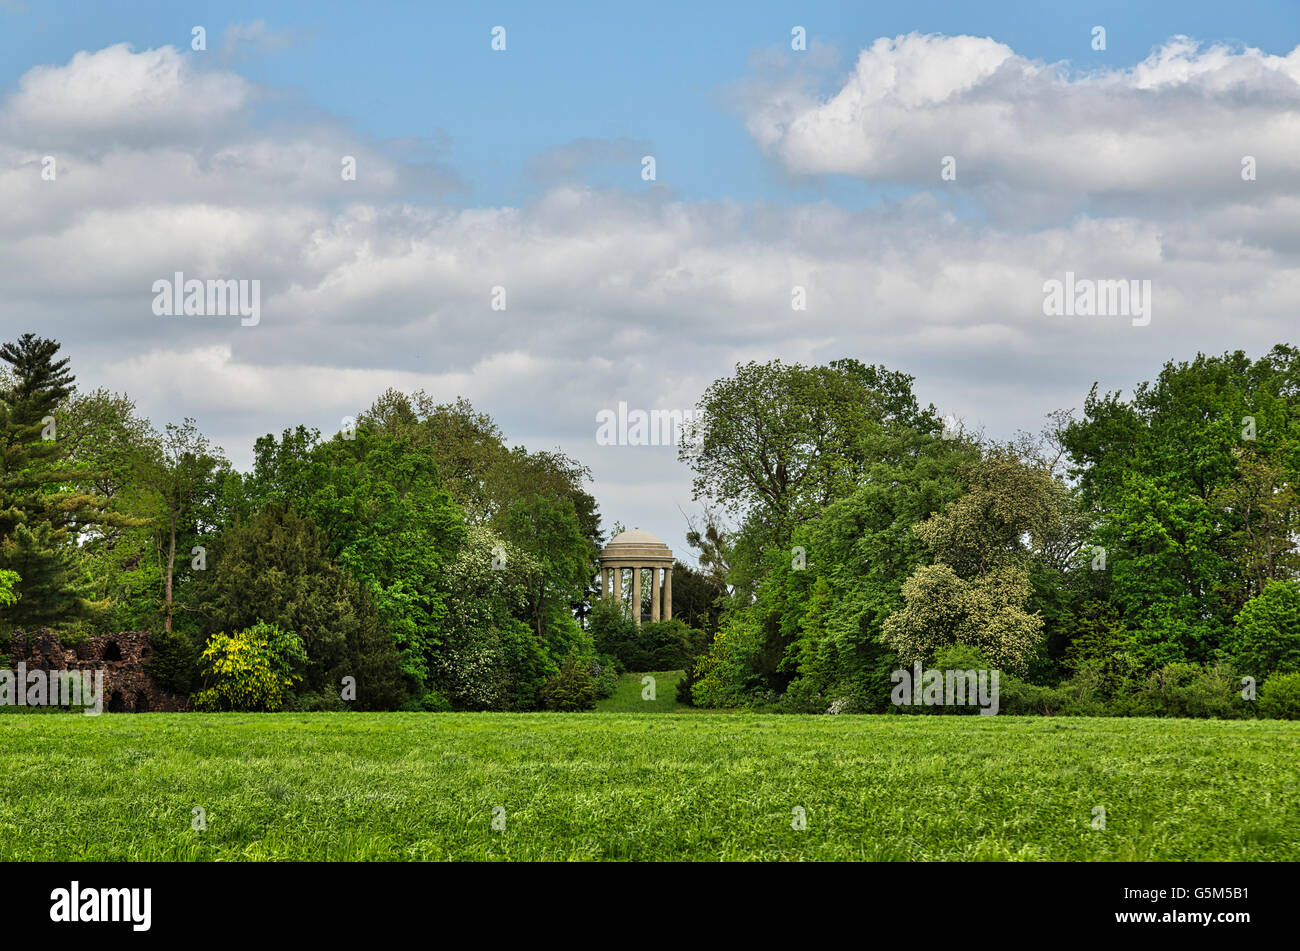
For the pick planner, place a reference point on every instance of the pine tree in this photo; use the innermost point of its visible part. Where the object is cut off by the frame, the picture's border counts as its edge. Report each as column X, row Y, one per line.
column 42, row 506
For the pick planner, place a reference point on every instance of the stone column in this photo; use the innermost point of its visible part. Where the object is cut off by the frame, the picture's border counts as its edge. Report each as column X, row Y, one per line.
column 618, row 585
column 636, row 595
column 668, row 593
column 655, row 593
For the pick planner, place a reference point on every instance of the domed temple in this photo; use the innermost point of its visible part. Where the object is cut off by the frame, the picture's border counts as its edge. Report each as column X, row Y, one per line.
column 639, row 551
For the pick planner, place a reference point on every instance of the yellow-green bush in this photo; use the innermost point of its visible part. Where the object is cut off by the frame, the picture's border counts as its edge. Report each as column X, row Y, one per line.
column 250, row 671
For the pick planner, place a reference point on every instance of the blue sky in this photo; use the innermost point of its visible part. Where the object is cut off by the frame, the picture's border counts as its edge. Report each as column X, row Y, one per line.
column 775, row 169
column 659, row 73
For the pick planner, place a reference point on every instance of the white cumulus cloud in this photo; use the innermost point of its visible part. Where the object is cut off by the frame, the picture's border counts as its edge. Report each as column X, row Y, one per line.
column 1176, row 125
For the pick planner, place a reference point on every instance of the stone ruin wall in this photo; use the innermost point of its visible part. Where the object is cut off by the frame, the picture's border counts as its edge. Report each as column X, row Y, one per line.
column 128, row 687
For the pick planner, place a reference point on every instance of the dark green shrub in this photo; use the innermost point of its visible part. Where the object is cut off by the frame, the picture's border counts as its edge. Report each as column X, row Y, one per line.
column 573, row 688
column 668, row 645
column 1082, row 695
column 727, row 676
column 686, row 686
column 803, row 696
column 1019, row 698
column 1185, row 690
column 372, row 659
column 954, row 657
column 604, row 672
column 857, row 697
column 175, row 661
column 1279, row 698
column 312, row 702
column 1089, row 691
column 431, row 701
column 613, row 632
column 655, row 645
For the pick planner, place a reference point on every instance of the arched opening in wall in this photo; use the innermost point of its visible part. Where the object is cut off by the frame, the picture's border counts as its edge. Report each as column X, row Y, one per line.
column 117, row 702
column 112, row 651
column 141, row 704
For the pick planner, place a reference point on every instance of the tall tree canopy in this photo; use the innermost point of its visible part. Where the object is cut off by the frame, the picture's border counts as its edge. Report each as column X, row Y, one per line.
column 46, row 503
column 1192, row 483
column 776, row 443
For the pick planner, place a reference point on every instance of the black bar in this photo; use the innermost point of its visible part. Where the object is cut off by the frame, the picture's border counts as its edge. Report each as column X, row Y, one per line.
column 957, row 901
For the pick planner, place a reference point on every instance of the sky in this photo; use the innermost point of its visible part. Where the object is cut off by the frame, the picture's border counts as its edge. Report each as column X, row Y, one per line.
column 920, row 171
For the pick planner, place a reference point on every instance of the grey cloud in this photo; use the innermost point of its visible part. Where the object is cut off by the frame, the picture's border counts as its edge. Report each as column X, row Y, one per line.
column 612, row 295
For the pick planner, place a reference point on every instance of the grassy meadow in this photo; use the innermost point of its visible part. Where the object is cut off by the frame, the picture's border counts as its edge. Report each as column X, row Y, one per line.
column 629, row 695
column 395, row 786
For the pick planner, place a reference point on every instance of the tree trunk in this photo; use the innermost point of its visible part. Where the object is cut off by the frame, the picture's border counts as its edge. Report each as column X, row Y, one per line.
column 171, row 569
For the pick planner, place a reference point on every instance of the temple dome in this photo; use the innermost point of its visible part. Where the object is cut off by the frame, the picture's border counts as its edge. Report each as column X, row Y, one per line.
column 637, row 536
column 636, row 545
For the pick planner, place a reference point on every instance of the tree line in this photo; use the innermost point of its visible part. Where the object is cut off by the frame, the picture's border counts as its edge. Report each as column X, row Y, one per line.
column 1139, row 557
column 415, row 561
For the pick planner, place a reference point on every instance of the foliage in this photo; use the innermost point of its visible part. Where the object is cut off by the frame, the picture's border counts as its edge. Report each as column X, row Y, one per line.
column 1103, row 646
column 431, row 701
column 275, row 567
column 985, row 543
column 1279, row 698
column 1266, row 636
column 483, row 631
column 388, row 521
column 251, row 670
column 490, row 659
column 669, row 645
column 482, row 474
column 572, row 688
column 175, row 661
column 120, row 560
column 1175, row 690
column 486, row 477
column 728, row 675
column 777, row 442
column 685, row 688
column 1134, row 561
column 818, row 612
column 182, row 474
column 605, row 672
column 45, row 503
column 697, row 598
column 612, row 630
column 956, row 657
column 1185, row 690
column 562, row 562
column 1190, row 484
column 1080, row 695
column 8, row 581
column 655, row 645
column 941, row 608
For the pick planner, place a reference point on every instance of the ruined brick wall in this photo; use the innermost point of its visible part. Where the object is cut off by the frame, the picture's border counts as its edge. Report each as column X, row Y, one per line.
column 128, row 687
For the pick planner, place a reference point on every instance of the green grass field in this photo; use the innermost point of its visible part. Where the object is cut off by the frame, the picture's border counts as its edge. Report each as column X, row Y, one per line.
column 629, row 696
column 635, row 786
